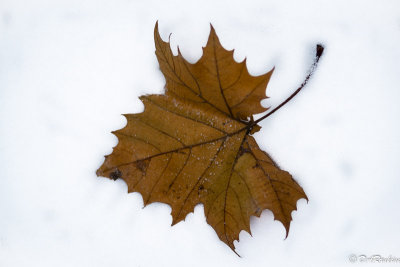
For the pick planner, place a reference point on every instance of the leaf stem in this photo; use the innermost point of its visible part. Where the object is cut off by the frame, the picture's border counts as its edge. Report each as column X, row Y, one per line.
column 318, row 54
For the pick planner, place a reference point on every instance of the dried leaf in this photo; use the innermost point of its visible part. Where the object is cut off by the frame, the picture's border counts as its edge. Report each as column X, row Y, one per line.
column 193, row 144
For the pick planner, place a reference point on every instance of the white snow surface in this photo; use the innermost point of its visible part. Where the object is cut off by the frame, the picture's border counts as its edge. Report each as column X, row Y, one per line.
column 69, row 68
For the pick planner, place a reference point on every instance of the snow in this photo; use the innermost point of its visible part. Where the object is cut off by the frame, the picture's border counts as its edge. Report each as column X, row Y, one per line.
column 68, row 69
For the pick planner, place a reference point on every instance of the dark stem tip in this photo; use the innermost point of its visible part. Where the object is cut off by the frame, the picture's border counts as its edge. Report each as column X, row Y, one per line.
column 320, row 50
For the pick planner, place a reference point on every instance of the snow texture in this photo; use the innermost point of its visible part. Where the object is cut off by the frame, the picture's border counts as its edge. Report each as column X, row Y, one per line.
column 69, row 68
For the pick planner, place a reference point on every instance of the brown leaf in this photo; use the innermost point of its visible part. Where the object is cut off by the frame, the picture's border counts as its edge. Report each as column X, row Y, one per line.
column 193, row 144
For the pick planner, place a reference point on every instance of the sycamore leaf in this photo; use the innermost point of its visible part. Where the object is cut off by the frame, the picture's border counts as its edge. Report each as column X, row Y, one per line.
column 194, row 145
